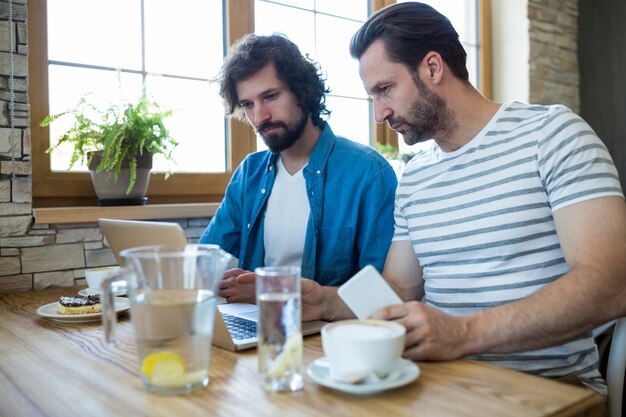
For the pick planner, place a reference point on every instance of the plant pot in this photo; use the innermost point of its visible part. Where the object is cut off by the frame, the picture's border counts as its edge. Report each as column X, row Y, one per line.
column 112, row 193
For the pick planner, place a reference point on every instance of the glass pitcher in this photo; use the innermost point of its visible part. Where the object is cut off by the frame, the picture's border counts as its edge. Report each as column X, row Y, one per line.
column 173, row 296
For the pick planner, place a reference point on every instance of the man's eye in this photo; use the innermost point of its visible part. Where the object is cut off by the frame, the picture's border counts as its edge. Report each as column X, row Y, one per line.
column 246, row 106
column 272, row 96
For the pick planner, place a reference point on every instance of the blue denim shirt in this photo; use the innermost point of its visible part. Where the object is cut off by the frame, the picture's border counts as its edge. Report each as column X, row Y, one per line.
column 351, row 194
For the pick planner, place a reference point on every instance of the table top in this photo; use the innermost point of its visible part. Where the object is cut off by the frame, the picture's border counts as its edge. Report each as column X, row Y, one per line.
column 49, row 368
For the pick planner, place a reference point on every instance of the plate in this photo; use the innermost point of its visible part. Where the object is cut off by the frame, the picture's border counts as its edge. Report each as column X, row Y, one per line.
column 50, row 311
column 88, row 291
column 319, row 371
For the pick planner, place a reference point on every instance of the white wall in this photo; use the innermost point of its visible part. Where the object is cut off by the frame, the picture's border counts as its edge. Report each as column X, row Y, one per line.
column 509, row 26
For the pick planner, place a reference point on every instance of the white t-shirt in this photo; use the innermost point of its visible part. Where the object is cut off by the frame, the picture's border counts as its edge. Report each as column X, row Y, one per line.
column 286, row 218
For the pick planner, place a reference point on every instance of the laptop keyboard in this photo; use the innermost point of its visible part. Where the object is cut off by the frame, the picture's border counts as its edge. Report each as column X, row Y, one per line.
column 239, row 328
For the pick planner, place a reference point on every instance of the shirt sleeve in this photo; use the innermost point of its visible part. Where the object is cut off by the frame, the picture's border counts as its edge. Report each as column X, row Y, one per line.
column 401, row 227
column 376, row 219
column 574, row 164
column 225, row 227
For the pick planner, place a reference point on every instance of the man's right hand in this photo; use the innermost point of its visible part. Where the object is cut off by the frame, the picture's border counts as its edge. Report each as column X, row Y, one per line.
column 322, row 303
column 238, row 286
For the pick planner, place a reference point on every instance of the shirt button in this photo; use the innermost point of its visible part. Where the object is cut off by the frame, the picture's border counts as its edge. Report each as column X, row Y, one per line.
column 248, row 225
column 312, row 192
column 270, row 167
column 263, row 191
column 319, row 172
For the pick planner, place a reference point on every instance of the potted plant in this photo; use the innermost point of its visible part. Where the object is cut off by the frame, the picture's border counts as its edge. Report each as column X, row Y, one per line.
column 117, row 144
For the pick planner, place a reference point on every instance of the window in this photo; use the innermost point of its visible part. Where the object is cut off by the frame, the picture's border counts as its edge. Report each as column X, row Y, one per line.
column 169, row 53
column 148, row 56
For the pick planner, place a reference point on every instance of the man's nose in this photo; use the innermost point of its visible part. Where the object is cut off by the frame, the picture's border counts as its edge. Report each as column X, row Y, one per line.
column 261, row 114
column 381, row 111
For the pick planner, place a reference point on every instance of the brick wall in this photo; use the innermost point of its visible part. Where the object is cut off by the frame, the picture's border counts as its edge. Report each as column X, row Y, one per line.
column 553, row 44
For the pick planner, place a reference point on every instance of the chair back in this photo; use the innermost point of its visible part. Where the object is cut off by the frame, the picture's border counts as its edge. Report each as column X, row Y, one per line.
column 616, row 368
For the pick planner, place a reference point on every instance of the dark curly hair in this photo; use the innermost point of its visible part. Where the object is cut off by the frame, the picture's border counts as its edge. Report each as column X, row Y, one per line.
column 409, row 31
column 302, row 75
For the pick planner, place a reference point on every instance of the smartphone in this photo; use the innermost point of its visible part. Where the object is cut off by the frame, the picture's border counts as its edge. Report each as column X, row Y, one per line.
column 366, row 292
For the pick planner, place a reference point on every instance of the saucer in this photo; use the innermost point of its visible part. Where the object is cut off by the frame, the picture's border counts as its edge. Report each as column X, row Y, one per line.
column 319, row 371
column 50, row 311
column 88, row 291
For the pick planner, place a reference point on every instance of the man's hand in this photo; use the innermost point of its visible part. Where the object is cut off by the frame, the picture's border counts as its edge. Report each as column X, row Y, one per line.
column 318, row 302
column 322, row 303
column 312, row 300
column 430, row 334
column 238, row 286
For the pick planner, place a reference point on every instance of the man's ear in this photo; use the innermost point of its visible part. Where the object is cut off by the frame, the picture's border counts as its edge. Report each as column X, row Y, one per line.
column 432, row 67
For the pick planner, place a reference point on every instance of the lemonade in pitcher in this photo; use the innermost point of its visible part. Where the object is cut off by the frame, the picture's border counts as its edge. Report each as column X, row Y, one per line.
column 174, row 328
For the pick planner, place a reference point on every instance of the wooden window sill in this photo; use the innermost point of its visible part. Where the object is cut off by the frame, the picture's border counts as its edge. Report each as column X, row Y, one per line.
column 65, row 215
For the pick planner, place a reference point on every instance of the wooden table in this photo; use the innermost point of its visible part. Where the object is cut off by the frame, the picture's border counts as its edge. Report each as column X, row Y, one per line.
column 56, row 369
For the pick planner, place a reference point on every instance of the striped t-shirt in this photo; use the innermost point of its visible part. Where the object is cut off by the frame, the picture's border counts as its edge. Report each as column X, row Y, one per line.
column 480, row 219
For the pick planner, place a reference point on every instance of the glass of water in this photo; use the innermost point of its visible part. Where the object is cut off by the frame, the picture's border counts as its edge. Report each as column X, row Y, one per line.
column 279, row 328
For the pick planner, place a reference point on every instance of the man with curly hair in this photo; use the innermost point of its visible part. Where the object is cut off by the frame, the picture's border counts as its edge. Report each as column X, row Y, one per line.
column 313, row 200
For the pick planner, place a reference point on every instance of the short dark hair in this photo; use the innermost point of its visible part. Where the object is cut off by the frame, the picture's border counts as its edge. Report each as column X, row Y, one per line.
column 302, row 75
column 409, row 31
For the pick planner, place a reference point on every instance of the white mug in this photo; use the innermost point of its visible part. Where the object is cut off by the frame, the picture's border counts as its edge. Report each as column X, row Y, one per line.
column 95, row 276
column 359, row 349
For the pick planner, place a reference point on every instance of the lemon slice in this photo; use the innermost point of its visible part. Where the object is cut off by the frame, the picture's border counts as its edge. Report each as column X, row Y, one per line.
column 163, row 365
column 290, row 357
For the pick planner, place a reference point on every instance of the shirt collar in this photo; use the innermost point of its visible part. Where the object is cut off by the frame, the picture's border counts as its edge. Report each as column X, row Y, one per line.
column 319, row 155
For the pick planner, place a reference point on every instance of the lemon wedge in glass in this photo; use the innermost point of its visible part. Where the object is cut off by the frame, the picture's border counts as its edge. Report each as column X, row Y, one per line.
column 290, row 357
column 164, row 368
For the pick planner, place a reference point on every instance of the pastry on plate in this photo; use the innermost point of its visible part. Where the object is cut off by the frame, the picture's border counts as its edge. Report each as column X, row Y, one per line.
column 79, row 305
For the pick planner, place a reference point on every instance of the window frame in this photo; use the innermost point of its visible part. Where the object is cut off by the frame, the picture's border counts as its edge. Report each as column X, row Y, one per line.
column 54, row 188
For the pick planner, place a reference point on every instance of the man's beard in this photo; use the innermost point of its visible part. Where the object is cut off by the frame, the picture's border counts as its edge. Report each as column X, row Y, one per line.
column 427, row 116
column 278, row 142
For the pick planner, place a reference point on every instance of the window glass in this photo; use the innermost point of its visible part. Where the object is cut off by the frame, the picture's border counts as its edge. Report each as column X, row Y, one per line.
column 304, row 4
column 333, row 54
column 183, row 40
column 68, row 84
column 350, row 118
column 198, row 124
column 351, row 9
column 298, row 25
column 106, row 33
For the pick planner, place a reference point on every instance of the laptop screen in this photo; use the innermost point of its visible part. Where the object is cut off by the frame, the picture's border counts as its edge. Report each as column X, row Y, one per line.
column 124, row 234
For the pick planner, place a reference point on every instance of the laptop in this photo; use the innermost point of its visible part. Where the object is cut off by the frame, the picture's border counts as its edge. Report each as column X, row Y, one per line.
column 235, row 326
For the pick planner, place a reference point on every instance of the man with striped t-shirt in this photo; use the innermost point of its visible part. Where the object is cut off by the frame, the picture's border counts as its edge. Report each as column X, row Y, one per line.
column 511, row 229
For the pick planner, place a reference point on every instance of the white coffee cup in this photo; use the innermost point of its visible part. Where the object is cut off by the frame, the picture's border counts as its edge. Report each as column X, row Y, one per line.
column 357, row 350
column 95, row 276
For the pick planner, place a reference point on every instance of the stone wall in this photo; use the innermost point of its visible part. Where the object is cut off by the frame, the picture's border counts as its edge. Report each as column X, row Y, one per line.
column 57, row 255
column 553, row 45
column 36, row 256
column 15, row 152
